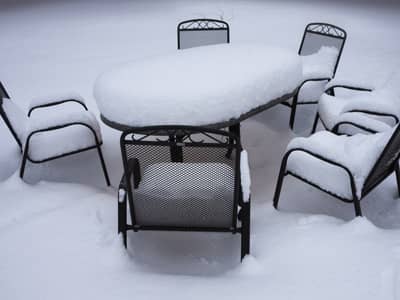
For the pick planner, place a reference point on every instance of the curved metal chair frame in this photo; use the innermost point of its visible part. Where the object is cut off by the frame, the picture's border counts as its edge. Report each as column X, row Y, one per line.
column 336, row 128
column 202, row 25
column 323, row 29
column 386, row 164
column 25, row 149
column 141, row 147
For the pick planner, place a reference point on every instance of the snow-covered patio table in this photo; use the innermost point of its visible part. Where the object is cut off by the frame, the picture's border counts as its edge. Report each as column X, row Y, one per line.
column 215, row 86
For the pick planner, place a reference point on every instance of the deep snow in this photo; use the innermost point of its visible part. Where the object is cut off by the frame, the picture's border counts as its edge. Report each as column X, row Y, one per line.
column 58, row 240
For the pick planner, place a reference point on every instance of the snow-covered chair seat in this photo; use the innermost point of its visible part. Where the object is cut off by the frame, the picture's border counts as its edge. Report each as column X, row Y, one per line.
column 178, row 178
column 202, row 32
column 52, row 131
column 346, row 114
column 321, row 48
column 345, row 167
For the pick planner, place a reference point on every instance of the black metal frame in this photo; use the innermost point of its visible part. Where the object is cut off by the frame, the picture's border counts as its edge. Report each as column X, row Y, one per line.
column 202, row 25
column 324, row 29
column 370, row 183
column 335, row 129
column 178, row 137
column 25, row 148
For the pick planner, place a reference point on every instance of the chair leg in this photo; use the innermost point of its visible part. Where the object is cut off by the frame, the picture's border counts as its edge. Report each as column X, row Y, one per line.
column 235, row 129
column 245, row 236
column 314, row 128
column 293, row 111
column 122, row 221
column 397, row 172
column 23, row 164
column 357, row 207
column 279, row 183
column 103, row 165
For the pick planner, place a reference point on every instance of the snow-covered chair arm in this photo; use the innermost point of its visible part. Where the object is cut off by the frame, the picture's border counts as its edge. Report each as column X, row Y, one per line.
column 61, row 120
column 53, row 100
column 245, row 176
column 361, row 121
column 84, row 119
column 347, row 84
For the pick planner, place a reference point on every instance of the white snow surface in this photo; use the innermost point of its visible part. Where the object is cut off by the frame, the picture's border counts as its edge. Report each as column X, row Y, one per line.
column 358, row 153
column 58, row 237
column 197, row 86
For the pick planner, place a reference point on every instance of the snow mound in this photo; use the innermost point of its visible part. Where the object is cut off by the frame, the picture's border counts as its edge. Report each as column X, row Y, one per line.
column 197, row 86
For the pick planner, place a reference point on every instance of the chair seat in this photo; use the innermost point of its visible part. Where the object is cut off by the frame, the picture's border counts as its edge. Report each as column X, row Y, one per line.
column 185, row 194
column 48, row 144
column 357, row 153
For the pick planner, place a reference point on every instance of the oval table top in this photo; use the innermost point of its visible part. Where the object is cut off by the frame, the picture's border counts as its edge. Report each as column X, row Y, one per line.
column 216, row 86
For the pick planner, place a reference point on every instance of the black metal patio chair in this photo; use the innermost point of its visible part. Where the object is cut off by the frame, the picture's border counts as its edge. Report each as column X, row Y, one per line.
column 54, row 136
column 319, row 165
column 317, row 35
column 202, row 32
column 177, row 178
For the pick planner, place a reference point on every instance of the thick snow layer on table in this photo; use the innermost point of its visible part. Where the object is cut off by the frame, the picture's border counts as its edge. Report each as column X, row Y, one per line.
column 196, row 86
column 358, row 153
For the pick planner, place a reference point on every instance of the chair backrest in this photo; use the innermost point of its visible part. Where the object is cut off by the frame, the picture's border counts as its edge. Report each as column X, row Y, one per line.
column 12, row 115
column 386, row 162
column 185, row 162
column 202, row 32
column 317, row 35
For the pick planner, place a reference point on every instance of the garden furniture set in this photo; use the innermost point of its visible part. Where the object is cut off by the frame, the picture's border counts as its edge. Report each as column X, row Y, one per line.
column 180, row 114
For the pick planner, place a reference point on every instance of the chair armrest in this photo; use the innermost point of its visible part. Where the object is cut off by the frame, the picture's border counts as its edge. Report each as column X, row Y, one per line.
column 314, row 79
column 349, row 85
column 32, row 132
column 362, row 122
column 70, row 118
column 133, row 170
column 325, row 159
column 55, row 100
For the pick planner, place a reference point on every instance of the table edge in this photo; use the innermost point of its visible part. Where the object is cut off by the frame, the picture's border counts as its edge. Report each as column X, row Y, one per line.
column 223, row 124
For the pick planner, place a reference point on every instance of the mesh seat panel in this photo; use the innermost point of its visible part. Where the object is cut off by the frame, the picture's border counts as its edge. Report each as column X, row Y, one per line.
column 182, row 194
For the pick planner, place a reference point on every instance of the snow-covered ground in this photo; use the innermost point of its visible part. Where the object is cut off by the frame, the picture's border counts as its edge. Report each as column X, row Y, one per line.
column 58, row 237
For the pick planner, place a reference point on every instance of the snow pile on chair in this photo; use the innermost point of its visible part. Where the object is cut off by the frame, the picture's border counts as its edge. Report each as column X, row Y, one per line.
column 358, row 153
